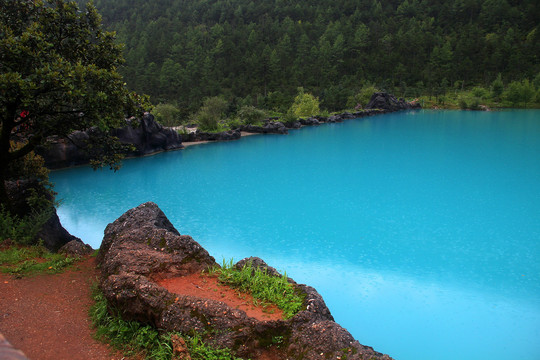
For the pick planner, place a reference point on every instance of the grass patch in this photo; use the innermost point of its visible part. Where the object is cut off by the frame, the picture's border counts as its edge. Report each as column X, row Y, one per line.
column 30, row 260
column 21, row 230
column 134, row 338
column 264, row 288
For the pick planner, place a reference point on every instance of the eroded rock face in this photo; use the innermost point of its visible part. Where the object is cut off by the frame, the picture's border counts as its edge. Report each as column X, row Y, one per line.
column 147, row 137
column 389, row 102
column 142, row 245
column 269, row 127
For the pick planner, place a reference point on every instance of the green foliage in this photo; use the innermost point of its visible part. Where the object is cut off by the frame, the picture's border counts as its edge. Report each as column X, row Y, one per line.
column 497, row 87
column 262, row 286
column 289, row 117
column 167, row 115
column 209, row 115
column 305, row 104
column 22, row 230
column 519, row 92
column 200, row 351
column 480, row 92
column 58, row 74
column 251, row 115
column 134, row 338
column 30, row 166
column 234, row 123
column 536, row 81
column 363, row 96
column 268, row 49
column 24, row 261
column 277, row 101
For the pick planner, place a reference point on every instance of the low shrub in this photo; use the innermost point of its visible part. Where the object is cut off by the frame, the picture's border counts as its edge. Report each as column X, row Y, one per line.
column 210, row 114
column 305, row 104
column 264, row 288
column 250, row 115
column 167, row 115
column 22, row 230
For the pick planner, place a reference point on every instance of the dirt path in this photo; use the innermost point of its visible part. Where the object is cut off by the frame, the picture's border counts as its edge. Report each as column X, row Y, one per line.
column 46, row 316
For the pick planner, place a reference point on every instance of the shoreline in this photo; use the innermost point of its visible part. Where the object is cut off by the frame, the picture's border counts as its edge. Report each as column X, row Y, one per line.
column 187, row 144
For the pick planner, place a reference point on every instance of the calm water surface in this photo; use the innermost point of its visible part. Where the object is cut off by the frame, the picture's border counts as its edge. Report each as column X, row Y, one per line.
column 421, row 230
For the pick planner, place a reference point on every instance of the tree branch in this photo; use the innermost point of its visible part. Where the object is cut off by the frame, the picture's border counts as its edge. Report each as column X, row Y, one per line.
column 26, row 149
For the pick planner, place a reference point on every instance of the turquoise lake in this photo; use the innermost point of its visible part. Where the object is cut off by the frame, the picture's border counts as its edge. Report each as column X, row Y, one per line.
column 421, row 230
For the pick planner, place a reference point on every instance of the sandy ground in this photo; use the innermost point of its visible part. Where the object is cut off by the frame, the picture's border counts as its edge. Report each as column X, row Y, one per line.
column 191, row 143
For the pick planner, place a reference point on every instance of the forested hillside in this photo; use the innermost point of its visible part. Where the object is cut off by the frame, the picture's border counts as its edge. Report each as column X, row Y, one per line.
column 180, row 51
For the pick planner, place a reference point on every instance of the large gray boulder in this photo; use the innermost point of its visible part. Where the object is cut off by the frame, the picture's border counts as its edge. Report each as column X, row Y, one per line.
column 142, row 246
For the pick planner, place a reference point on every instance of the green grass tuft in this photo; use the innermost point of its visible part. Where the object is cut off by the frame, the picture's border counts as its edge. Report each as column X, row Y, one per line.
column 264, row 288
column 31, row 260
column 135, row 338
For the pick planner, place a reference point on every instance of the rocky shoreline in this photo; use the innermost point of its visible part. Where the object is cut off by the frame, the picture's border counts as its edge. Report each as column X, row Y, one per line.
column 142, row 246
column 147, row 137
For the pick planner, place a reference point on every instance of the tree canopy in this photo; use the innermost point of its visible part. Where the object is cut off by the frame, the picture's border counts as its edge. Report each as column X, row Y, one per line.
column 182, row 51
column 58, row 74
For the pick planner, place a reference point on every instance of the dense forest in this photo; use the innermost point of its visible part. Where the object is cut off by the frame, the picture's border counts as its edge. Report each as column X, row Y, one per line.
column 260, row 52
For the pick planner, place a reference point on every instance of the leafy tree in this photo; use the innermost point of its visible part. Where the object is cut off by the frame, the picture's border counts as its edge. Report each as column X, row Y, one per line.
column 362, row 98
column 536, row 81
column 305, row 104
column 58, row 74
column 519, row 92
column 210, row 113
column 251, row 115
column 167, row 114
column 497, row 87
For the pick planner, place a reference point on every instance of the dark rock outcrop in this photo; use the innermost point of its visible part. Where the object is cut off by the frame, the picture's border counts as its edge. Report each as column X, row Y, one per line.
column 269, row 127
column 52, row 233
column 293, row 124
column 146, row 136
column 206, row 136
column 309, row 121
column 142, row 245
column 389, row 102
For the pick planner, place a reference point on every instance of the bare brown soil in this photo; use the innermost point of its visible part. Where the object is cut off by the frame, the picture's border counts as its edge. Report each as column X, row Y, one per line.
column 208, row 287
column 46, row 316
